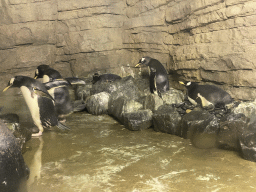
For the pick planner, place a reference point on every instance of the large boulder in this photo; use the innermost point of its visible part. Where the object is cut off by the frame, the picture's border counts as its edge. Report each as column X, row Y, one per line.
column 173, row 96
column 97, row 104
column 166, row 119
column 247, row 141
column 138, row 120
column 22, row 134
column 231, row 127
column 122, row 105
column 200, row 127
column 152, row 102
column 13, row 170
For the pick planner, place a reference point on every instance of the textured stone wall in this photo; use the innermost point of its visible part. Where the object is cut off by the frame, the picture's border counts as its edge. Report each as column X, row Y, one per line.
column 211, row 41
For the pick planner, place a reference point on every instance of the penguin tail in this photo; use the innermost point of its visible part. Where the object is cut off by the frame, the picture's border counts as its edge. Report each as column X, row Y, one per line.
column 62, row 126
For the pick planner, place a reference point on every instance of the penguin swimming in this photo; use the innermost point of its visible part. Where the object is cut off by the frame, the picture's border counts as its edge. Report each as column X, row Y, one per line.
column 158, row 77
column 39, row 102
column 105, row 78
column 58, row 89
column 208, row 96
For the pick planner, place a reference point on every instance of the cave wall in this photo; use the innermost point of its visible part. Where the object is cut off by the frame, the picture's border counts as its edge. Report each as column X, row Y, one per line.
column 209, row 41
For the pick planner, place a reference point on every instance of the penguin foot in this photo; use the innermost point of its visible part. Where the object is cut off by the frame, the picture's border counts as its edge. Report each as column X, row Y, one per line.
column 37, row 134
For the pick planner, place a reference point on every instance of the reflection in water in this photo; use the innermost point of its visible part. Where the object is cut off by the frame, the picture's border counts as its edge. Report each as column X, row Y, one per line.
column 36, row 165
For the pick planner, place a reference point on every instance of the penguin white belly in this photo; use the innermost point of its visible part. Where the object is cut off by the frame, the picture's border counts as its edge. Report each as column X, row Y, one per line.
column 192, row 101
column 205, row 102
column 46, row 79
column 32, row 103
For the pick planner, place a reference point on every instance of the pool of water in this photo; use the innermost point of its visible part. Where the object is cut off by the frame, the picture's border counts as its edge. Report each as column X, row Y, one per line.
column 99, row 154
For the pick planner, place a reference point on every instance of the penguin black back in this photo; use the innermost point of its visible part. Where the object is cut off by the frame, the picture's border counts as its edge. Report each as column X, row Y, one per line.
column 47, row 73
column 158, row 76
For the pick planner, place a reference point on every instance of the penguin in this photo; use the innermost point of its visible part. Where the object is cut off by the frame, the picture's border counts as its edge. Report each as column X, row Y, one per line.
column 105, row 78
column 158, row 76
column 39, row 102
column 58, row 89
column 208, row 96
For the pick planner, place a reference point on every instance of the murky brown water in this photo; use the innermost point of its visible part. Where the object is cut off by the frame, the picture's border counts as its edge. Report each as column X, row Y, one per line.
column 99, row 154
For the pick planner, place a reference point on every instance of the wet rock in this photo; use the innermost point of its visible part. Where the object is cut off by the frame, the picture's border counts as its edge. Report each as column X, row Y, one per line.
column 13, row 170
column 152, row 102
column 247, row 141
column 97, row 104
column 200, row 127
column 138, row 120
column 246, row 108
column 22, row 134
column 143, row 85
column 231, row 127
column 166, row 119
column 124, row 87
column 122, row 105
column 173, row 96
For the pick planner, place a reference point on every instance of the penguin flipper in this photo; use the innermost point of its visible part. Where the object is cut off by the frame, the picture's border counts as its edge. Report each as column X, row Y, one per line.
column 42, row 93
column 75, row 81
column 62, row 126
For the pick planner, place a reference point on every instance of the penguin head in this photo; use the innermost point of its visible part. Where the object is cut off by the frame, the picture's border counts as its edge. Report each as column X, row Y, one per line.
column 95, row 78
column 144, row 61
column 39, row 73
column 188, row 84
column 14, row 82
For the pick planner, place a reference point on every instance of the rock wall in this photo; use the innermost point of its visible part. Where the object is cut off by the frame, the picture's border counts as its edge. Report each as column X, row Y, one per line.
column 209, row 41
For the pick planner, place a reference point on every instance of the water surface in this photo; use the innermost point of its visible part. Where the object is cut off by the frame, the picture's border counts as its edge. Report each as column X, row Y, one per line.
column 99, row 154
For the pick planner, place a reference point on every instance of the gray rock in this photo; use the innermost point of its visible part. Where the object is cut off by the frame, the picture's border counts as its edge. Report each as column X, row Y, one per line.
column 138, row 120
column 200, row 127
column 13, row 170
column 122, row 105
column 246, row 108
column 247, row 141
column 173, row 96
column 98, row 104
column 166, row 119
column 152, row 102
column 231, row 127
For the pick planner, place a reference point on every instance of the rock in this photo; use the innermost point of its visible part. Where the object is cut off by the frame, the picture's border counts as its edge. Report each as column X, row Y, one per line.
column 13, row 170
column 166, row 119
column 97, row 104
column 247, row 141
column 173, row 96
column 246, row 108
column 152, row 102
column 105, row 78
column 231, row 127
column 22, row 134
column 124, row 87
column 138, row 120
column 83, row 91
column 200, row 127
column 122, row 105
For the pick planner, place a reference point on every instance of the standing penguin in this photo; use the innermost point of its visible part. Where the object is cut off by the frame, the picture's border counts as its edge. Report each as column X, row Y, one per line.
column 158, row 77
column 39, row 102
column 209, row 96
column 58, row 89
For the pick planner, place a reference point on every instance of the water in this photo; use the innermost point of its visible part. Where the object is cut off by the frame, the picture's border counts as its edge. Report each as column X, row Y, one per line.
column 99, row 154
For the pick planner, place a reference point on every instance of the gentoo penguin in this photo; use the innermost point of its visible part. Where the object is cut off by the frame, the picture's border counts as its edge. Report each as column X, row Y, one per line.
column 208, row 96
column 105, row 78
column 58, row 89
column 39, row 102
column 158, row 77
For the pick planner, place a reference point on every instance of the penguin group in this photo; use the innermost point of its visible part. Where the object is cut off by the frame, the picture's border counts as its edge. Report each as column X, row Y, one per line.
column 207, row 96
column 48, row 102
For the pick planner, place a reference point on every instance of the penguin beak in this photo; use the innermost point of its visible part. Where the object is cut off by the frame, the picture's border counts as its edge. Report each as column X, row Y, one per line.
column 181, row 83
column 35, row 77
column 138, row 65
column 5, row 89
